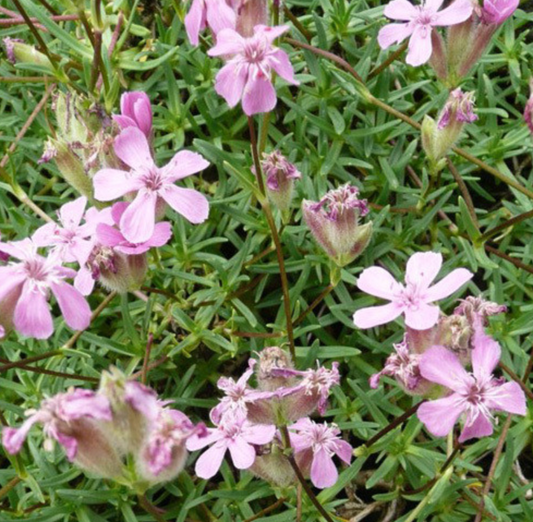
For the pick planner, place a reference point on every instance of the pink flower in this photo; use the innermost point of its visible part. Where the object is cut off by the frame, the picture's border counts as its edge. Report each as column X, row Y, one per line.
column 497, row 11
column 412, row 299
column 473, row 395
column 111, row 237
column 215, row 14
column 419, row 22
column 151, row 185
column 315, row 445
column 458, row 109
column 164, row 451
column 136, row 111
column 62, row 416
column 29, row 282
column 235, row 434
column 248, row 74
column 71, row 240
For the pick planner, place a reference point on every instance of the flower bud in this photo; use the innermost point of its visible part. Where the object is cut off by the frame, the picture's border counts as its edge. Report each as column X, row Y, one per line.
column 249, row 14
column 439, row 138
column 269, row 359
column 477, row 310
column 280, row 176
column 334, row 223
column 273, row 466
column 19, row 52
column 455, row 333
column 135, row 111
column 497, row 11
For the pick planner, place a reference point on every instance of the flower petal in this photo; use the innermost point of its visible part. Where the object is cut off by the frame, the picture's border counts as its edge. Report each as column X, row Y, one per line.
column 229, row 83
column 84, row 281
column 440, row 416
column 190, row 203
column 32, row 316
column 138, row 221
column 422, row 268
column 109, row 236
column 480, row 426
column 210, row 461
column 508, row 397
column 420, row 46
column 259, row 95
column 71, row 213
column 423, row 318
column 73, row 305
column 459, row 11
column 259, row 433
column 195, row 21
column 485, row 355
column 400, row 10
column 344, row 451
column 131, row 146
column 378, row 282
column 13, row 438
column 440, row 365
column 228, row 42
column 448, row 285
column 183, row 164
column 393, row 33
column 219, row 15
column 110, row 184
column 376, row 315
column 242, row 453
column 324, row 473
column 282, row 65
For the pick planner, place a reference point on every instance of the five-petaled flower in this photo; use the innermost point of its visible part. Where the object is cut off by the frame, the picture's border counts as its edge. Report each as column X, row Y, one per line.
column 412, row 299
column 418, row 24
column 248, row 73
column 473, row 394
column 151, row 185
column 314, row 446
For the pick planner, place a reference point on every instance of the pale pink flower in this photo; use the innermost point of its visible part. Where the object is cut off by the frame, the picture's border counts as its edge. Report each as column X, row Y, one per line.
column 247, row 75
column 151, row 185
column 112, row 237
column 497, row 11
column 76, row 420
column 314, row 446
column 235, row 434
column 418, row 24
column 29, row 283
column 215, row 14
column 136, row 111
column 415, row 298
column 72, row 240
column 163, row 454
column 474, row 395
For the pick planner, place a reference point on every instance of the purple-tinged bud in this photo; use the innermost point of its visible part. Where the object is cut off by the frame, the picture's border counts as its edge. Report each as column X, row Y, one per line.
column 136, row 111
column 497, row 11
column 438, row 60
column 439, row 138
column 334, row 223
column 78, row 420
column 280, row 176
column 455, row 333
column 19, row 52
column 273, row 358
column 249, row 14
column 404, row 367
column 528, row 111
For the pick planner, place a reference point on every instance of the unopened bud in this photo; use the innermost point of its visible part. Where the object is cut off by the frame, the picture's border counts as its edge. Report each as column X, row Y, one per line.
column 19, row 52
column 273, row 466
column 497, row 11
column 280, row 176
column 273, row 358
column 334, row 223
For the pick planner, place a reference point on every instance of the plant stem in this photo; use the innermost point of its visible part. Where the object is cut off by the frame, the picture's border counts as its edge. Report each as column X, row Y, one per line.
column 9, row 486
column 307, row 35
column 393, row 57
column 509, row 223
column 492, row 470
column 150, row 508
column 315, row 303
column 464, row 191
column 53, row 373
column 396, row 422
column 267, row 510
column 275, row 237
column 28, row 360
column 144, row 374
column 309, row 492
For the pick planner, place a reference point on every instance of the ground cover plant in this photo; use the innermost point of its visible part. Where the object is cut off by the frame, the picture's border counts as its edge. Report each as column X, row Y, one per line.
column 266, row 261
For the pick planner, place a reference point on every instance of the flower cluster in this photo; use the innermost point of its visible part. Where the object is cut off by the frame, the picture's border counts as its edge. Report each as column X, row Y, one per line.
column 247, row 420
column 437, row 348
column 100, row 430
column 108, row 245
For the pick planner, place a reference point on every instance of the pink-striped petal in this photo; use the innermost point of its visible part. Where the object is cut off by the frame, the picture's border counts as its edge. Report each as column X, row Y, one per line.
column 422, row 268
column 131, row 146
column 324, row 473
column 228, row 42
column 400, row 10
column 480, row 426
column 230, row 82
column 259, row 95
column 441, row 366
column 183, row 164
column 393, row 34
column 459, row 11
column 73, row 305
column 110, row 184
column 71, row 213
column 378, row 282
column 440, row 416
column 423, row 318
column 485, row 355
column 195, row 21
column 242, row 453
column 190, row 203
column 282, row 65
column 449, row 284
column 138, row 221
column 32, row 316
column 210, row 461
column 420, row 46
column 508, row 397
column 376, row 315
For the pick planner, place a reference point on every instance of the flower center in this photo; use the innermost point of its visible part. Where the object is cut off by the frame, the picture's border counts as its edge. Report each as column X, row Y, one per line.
column 36, row 270
column 153, row 180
